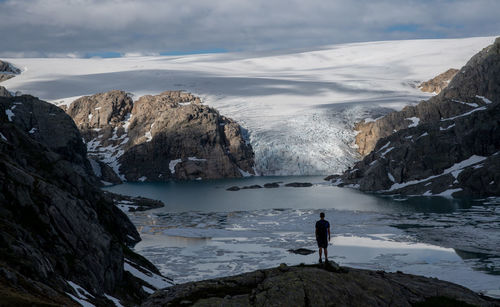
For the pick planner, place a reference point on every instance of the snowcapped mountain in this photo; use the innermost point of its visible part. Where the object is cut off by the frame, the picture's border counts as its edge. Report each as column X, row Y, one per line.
column 298, row 107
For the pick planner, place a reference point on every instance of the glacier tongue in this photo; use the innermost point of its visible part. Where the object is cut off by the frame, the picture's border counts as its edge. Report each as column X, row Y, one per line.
column 297, row 106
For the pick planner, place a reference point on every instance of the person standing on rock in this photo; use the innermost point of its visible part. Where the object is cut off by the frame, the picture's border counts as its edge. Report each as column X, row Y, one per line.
column 322, row 231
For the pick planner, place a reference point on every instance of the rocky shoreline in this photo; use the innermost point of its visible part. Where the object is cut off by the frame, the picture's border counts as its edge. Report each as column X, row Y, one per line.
column 319, row 285
column 447, row 145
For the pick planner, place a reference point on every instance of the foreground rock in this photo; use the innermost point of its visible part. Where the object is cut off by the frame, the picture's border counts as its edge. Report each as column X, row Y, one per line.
column 447, row 145
column 317, row 285
column 7, row 71
column 438, row 83
column 157, row 138
column 58, row 231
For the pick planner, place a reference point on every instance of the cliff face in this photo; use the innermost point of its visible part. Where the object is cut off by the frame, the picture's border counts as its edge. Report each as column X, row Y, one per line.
column 317, row 285
column 447, row 144
column 438, row 83
column 58, row 231
column 479, row 77
column 162, row 137
column 7, row 71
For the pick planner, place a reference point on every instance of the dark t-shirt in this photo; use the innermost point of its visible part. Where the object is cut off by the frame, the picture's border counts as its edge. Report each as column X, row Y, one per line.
column 322, row 228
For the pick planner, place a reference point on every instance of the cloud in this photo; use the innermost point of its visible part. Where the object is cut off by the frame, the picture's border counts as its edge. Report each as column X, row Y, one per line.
column 48, row 27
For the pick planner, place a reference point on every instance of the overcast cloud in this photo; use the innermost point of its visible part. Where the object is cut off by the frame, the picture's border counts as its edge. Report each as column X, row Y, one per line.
column 79, row 27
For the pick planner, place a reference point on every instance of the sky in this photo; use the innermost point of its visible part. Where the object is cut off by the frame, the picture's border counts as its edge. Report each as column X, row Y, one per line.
column 103, row 28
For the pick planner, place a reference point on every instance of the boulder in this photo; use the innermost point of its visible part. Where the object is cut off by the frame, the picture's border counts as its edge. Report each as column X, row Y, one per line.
column 318, row 285
column 8, row 71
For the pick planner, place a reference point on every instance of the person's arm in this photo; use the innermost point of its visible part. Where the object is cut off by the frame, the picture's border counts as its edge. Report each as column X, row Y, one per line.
column 328, row 234
column 316, row 231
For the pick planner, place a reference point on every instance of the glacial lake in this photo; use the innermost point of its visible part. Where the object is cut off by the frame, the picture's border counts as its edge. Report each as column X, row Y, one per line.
column 205, row 231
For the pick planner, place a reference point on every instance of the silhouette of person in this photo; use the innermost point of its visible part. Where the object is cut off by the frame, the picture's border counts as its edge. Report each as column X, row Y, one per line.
column 322, row 231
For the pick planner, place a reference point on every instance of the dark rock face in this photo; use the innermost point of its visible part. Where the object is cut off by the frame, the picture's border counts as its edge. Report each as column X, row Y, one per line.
column 4, row 92
column 55, row 224
column 299, row 184
column 316, row 286
column 162, row 137
column 447, row 143
column 7, row 71
column 438, row 83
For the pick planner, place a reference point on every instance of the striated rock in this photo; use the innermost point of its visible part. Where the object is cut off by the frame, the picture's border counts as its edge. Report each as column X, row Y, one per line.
column 157, row 138
column 438, row 83
column 447, row 145
column 56, row 226
column 7, row 71
column 318, row 285
column 478, row 78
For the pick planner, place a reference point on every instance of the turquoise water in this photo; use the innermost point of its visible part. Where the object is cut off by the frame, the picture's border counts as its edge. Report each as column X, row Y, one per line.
column 205, row 231
column 212, row 195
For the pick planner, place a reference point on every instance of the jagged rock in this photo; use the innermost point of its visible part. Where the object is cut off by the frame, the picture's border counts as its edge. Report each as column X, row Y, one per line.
column 133, row 204
column 479, row 77
column 448, row 144
column 4, row 92
column 317, row 285
column 438, row 83
column 251, row 187
column 55, row 224
column 299, row 184
column 167, row 136
column 233, row 188
column 7, row 71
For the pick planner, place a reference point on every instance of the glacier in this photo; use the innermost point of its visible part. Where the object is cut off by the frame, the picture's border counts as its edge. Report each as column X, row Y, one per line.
column 298, row 107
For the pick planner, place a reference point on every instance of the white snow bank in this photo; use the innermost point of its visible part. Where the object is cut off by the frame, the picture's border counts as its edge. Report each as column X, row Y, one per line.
column 464, row 114
column 454, row 170
column 449, row 127
column 149, row 277
column 114, row 300
column 10, row 114
column 474, row 105
column 484, row 99
column 172, row 164
column 80, row 298
column 415, row 121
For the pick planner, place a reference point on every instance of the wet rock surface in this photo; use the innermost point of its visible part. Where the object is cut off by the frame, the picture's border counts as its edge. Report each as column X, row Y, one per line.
column 157, row 138
column 317, row 285
column 447, row 145
column 301, row 251
column 56, row 225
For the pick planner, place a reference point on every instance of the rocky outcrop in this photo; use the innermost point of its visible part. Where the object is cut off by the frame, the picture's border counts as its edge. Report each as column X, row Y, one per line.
column 446, row 145
column 317, row 285
column 4, row 92
column 7, row 71
column 156, row 138
column 438, row 83
column 58, row 231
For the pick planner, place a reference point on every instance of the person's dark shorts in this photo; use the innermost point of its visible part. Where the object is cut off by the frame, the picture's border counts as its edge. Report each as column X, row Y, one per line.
column 322, row 242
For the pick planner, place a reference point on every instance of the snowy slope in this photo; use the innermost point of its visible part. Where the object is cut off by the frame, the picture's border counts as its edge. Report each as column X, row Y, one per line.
column 298, row 106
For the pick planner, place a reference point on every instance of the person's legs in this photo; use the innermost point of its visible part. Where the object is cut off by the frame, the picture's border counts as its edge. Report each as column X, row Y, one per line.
column 326, row 254
column 320, row 253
